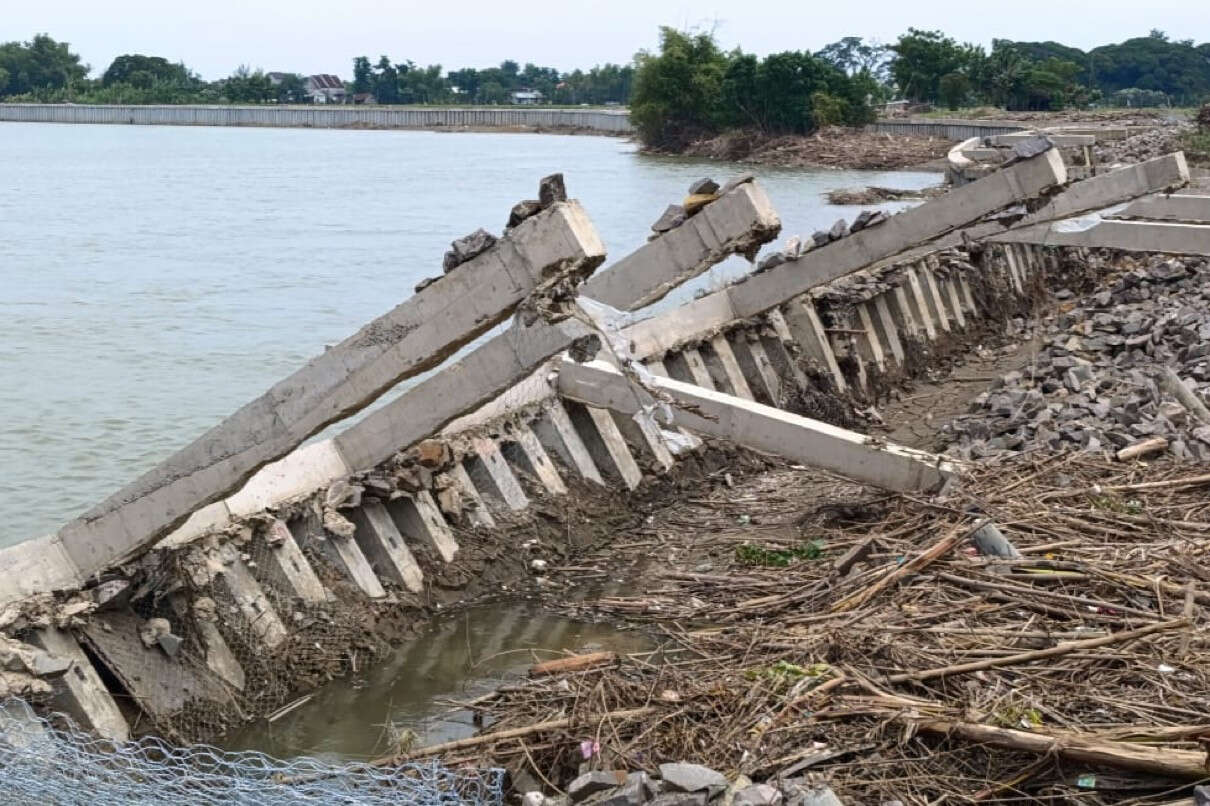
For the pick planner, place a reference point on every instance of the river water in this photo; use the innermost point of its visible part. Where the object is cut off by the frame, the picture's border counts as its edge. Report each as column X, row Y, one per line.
column 154, row 279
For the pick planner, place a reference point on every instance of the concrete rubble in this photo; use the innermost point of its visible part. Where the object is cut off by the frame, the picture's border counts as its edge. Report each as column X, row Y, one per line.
column 683, row 784
column 1098, row 383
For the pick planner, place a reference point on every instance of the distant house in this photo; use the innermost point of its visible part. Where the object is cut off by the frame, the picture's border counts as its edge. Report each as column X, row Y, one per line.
column 527, row 97
column 326, row 89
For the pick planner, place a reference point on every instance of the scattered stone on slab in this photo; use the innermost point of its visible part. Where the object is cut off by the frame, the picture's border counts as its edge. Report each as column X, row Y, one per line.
column 672, row 218
column 468, row 248
column 432, row 453
column 757, row 795
column 152, row 629
column 732, row 184
column 839, row 229
column 551, row 190
column 425, row 283
column 170, row 643
column 703, row 186
column 694, row 203
column 523, row 210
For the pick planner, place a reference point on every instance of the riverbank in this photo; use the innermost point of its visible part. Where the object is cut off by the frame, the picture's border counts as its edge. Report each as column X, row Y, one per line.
column 832, row 147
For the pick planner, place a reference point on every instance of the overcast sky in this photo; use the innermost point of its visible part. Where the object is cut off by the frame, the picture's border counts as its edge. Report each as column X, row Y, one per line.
column 214, row 36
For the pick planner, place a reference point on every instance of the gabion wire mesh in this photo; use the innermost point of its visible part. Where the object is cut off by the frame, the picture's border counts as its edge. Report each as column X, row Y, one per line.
column 41, row 763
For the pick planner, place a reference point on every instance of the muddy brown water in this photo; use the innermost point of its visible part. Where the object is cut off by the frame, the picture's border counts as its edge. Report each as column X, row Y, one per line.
column 412, row 695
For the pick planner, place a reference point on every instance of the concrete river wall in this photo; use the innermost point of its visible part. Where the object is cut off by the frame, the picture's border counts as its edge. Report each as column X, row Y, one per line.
column 325, row 117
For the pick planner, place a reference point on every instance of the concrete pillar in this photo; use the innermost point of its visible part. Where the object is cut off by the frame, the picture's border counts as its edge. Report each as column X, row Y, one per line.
column 476, row 508
column 949, row 293
column 754, row 362
column 383, row 545
column 920, row 306
column 419, row 517
column 557, row 434
column 695, row 366
column 219, row 657
column 492, row 474
column 968, row 299
column 263, row 624
column 526, row 451
column 82, row 693
column 887, row 327
column 777, row 348
column 873, row 346
column 645, row 438
column 288, row 567
column 724, row 368
column 932, row 296
column 903, row 312
column 808, row 333
column 1014, row 271
column 606, row 444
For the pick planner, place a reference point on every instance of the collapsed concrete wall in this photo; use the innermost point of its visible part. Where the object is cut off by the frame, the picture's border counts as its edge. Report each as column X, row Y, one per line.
column 193, row 634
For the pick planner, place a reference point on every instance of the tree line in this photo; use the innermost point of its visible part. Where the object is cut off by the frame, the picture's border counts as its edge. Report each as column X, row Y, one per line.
column 689, row 87
column 47, row 71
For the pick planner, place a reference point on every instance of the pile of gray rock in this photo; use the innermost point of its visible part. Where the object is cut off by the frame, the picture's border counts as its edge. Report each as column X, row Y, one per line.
column 1155, row 141
column 1124, row 367
column 701, row 193
column 684, row 784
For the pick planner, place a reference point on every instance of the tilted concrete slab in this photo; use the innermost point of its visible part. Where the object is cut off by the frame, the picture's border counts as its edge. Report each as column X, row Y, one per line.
column 495, row 366
column 417, row 335
column 961, row 206
column 743, row 216
column 762, row 428
column 86, row 697
column 1188, row 209
column 1160, row 174
column 1061, row 140
column 1129, row 236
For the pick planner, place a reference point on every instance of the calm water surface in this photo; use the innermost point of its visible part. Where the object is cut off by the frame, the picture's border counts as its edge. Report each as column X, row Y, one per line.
column 154, row 279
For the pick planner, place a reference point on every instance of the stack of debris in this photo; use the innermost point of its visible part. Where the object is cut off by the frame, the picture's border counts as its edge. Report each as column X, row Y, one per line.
column 1155, row 141
column 683, row 784
column 1126, row 370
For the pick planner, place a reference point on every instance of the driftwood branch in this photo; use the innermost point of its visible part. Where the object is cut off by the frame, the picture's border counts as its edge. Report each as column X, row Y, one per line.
column 913, row 566
column 1187, row 764
column 1039, row 654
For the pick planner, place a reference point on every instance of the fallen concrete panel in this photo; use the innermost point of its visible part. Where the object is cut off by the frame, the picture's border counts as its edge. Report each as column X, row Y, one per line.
column 1060, row 140
column 743, row 218
column 161, row 685
column 417, row 335
column 493, row 367
column 1129, row 236
column 762, row 428
column 961, row 206
column 1189, row 209
column 1165, row 173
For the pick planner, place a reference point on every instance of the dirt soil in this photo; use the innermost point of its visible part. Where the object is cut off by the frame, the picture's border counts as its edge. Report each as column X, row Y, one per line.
column 833, row 147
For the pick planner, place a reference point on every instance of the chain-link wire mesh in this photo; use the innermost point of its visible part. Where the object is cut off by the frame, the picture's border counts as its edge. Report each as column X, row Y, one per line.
column 44, row 763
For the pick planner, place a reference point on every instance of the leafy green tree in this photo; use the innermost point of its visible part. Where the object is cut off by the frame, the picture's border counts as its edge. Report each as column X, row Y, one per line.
column 138, row 70
column 676, row 91
column 853, row 55
column 39, row 65
column 923, row 57
column 363, row 75
column 954, row 88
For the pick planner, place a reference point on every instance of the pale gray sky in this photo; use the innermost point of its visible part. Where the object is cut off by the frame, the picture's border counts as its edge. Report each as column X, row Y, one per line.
column 307, row 36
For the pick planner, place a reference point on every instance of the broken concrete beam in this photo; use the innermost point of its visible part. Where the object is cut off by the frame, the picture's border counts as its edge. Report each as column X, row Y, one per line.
column 758, row 370
column 1129, row 236
column 348, row 556
column 504, row 360
column 492, row 474
column 606, row 444
column 36, row 566
column 762, row 428
column 384, row 546
column 299, row 473
column 1165, row 173
column 670, row 329
column 289, row 567
column 1187, row 209
column 961, row 206
column 84, row 694
column 555, row 431
column 419, row 517
column 740, row 221
column 558, row 244
column 219, row 657
column 1060, row 140
column 646, row 440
